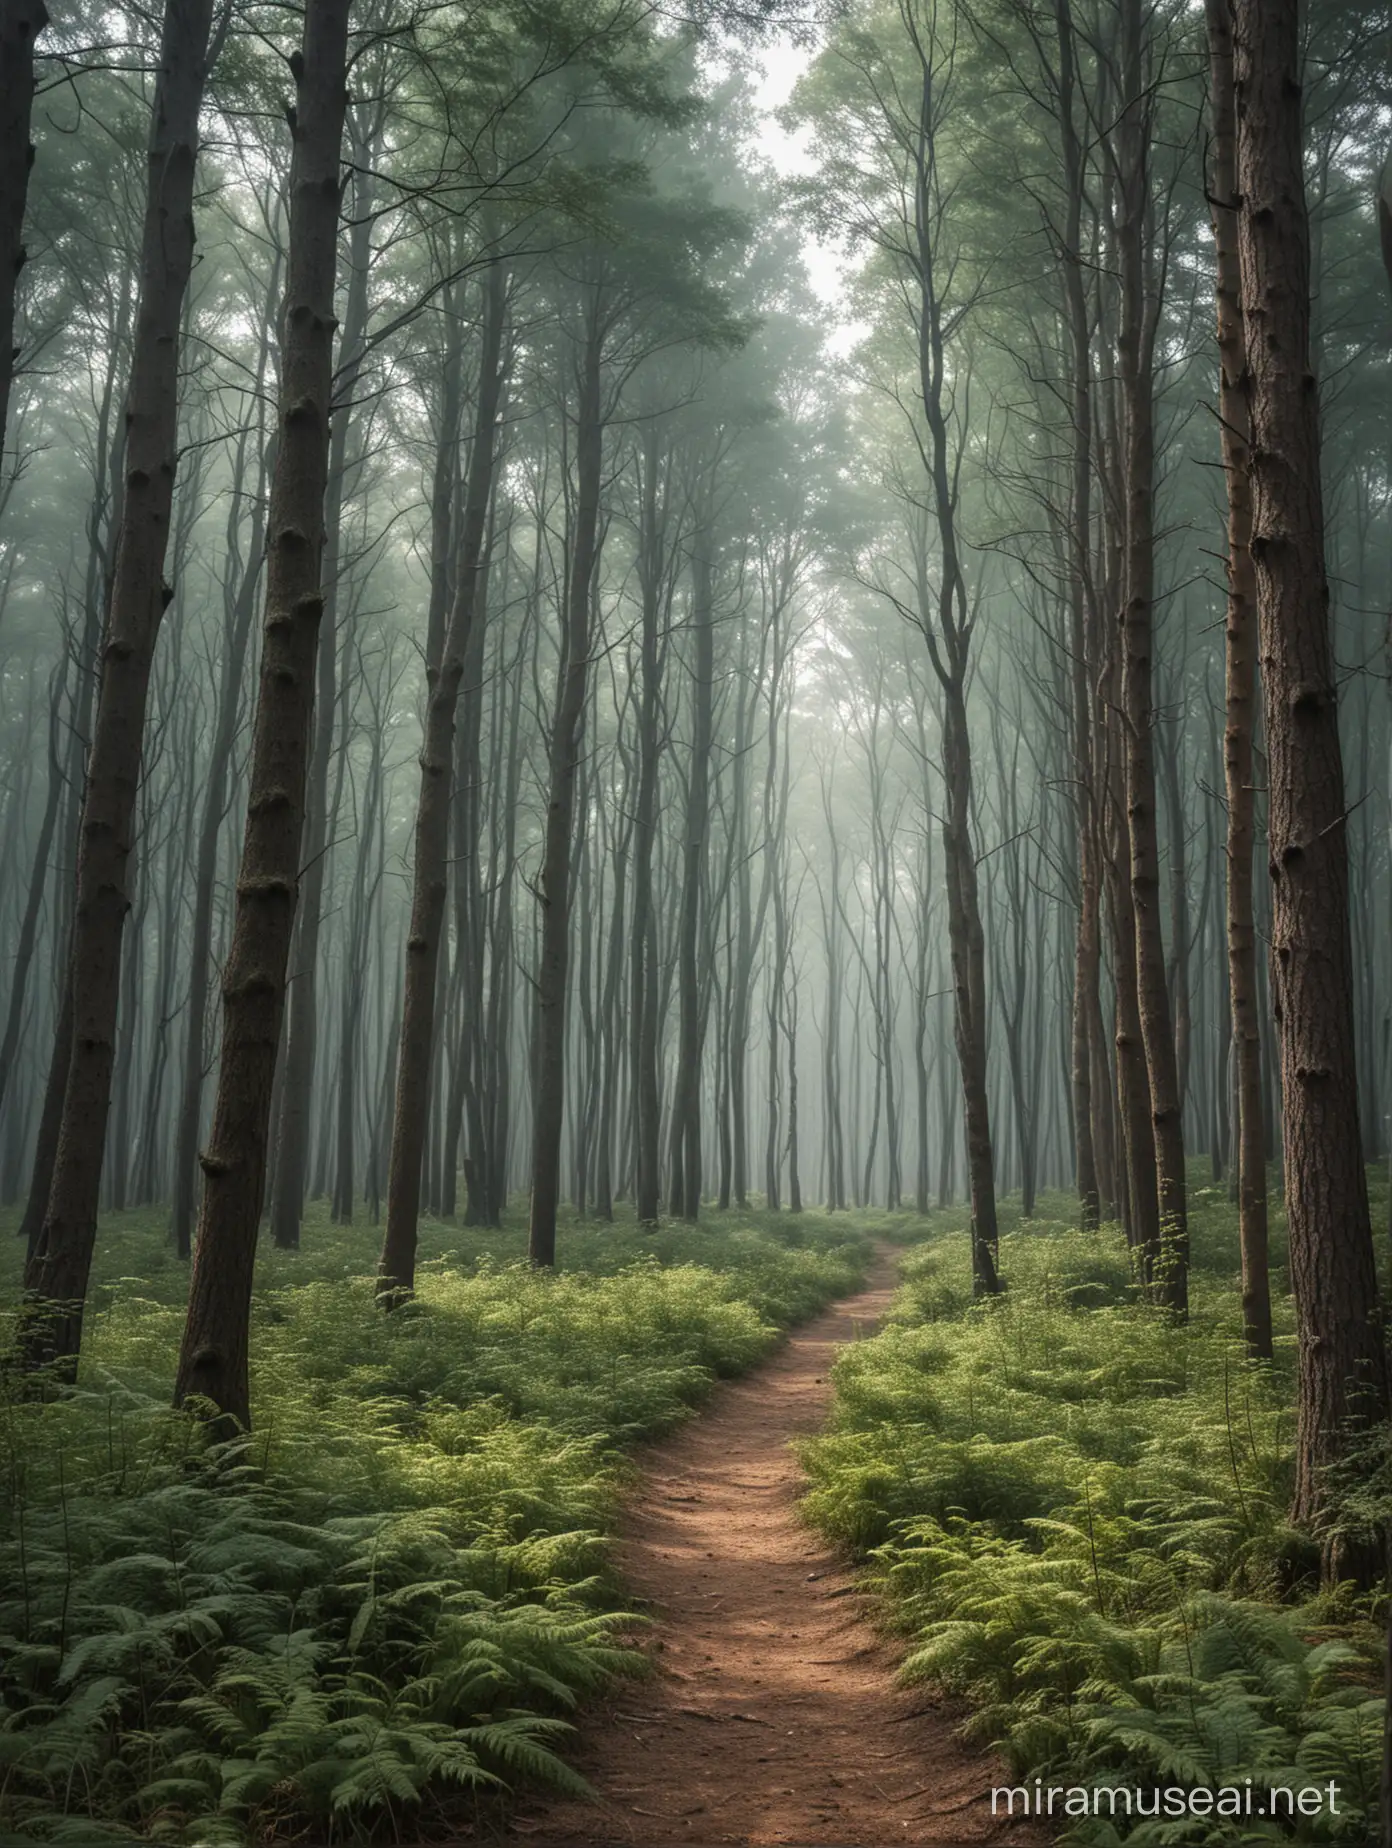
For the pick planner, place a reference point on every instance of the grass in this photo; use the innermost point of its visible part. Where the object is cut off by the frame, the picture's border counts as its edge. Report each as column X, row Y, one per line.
column 396, row 1589
column 385, row 1604
column 1074, row 1511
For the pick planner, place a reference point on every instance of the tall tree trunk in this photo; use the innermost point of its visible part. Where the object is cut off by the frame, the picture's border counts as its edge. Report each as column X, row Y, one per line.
column 57, row 1273
column 150, row 1119
column 1181, row 927
column 213, row 1356
column 643, row 999
column 115, row 1160
column 773, row 885
column 462, row 1004
column 686, row 1099
column 242, row 574
column 377, row 1133
column 773, row 1096
column 1240, row 690
column 790, row 1027
column 969, row 985
column 1342, row 1370
column 1140, row 1198
column 468, row 1081
column 1087, row 959
column 831, row 1033
column 1135, row 342
column 741, row 976
column 948, row 626
column 21, row 22
column 552, row 968
column 882, row 882
column 610, row 1011
column 430, row 874
column 502, row 937
column 353, row 980
column 947, row 1110
column 108, row 448
column 33, row 900
column 302, row 1022
column 587, row 882
column 445, row 478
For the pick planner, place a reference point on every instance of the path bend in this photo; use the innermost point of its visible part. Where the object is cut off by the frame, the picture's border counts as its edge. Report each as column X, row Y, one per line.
column 773, row 1715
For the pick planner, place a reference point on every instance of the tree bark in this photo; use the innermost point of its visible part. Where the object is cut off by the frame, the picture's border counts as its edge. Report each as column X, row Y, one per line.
column 1169, row 1266
column 969, row 986
column 302, row 1020
column 33, row 901
column 1342, row 1370
column 1240, row 690
column 948, row 630
column 147, row 1180
column 1170, row 734
column 467, row 1083
column 741, row 959
column 1087, row 949
column 790, row 1027
column 103, row 512
column 213, row 1357
column 21, row 22
column 563, row 760
column 367, row 882
column 502, row 939
column 923, row 967
column 643, row 996
column 1141, row 1200
column 430, row 876
column 610, row 1009
column 56, row 1276
column 239, row 607
column 686, row 1099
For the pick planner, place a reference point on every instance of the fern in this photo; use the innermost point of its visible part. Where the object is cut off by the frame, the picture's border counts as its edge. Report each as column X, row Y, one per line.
column 1071, row 1508
column 399, row 1587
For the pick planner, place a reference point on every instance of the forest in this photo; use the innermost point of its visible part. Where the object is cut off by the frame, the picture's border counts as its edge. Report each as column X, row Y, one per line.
column 696, row 799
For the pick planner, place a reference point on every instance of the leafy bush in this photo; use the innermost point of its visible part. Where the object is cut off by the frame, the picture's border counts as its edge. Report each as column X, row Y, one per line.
column 396, row 1588
column 198, row 1657
column 1074, row 1510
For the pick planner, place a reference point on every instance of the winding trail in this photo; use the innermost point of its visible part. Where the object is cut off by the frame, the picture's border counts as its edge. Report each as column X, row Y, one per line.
column 773, row 1716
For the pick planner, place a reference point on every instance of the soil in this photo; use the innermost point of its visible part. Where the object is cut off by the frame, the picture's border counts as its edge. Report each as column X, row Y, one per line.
column 773, row 1714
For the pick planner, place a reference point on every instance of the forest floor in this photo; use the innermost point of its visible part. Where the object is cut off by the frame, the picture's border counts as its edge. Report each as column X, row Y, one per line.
column 772, row 1715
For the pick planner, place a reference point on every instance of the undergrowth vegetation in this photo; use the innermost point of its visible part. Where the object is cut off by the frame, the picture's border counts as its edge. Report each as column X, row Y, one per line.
column 1075, row 1510
column 395, row 1589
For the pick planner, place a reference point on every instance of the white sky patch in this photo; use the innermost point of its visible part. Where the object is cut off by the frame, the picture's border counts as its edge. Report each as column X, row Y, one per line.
column 780, row 67
column 788, row 152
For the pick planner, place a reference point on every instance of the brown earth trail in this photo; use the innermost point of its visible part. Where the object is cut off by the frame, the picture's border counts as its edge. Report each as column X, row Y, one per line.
column 773, row 1715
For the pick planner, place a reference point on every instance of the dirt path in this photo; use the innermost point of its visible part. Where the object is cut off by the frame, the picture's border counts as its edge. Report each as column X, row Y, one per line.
column 773, row 1716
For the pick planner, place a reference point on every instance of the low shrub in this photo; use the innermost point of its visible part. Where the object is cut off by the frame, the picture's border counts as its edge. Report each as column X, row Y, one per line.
column 396, row 1588
column 1074, row 1511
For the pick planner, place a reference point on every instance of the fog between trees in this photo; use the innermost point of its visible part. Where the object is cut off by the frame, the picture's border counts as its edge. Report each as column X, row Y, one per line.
column 499, row 702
